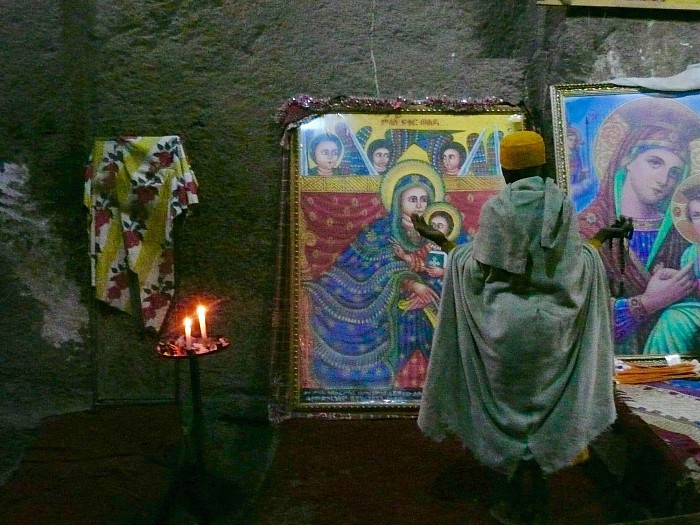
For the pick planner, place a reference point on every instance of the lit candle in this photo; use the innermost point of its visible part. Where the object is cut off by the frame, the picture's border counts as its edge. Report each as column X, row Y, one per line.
column 188, row 333
column 201, row 311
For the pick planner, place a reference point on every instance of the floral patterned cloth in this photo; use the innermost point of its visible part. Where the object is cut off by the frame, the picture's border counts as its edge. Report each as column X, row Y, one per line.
column 135, row 187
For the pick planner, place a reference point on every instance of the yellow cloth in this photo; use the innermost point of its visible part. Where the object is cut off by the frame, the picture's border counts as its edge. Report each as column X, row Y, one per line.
column 134, row 189
column 522, row 149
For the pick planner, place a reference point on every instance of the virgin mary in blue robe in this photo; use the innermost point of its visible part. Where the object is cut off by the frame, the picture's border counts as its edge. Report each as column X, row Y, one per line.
column 363, row 324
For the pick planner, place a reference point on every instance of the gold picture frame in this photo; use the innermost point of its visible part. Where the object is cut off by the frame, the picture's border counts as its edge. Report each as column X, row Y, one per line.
column 361, row 288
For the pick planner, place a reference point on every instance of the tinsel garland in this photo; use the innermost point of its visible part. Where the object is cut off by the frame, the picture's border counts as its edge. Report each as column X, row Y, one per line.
column 302, row 106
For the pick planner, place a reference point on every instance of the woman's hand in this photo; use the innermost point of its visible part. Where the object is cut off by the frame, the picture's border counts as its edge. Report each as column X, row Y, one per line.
column 668, row 286
column 399, row 251
column 420, row 295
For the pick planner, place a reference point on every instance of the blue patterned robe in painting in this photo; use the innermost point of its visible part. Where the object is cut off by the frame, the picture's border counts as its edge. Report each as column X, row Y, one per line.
column 361, row 335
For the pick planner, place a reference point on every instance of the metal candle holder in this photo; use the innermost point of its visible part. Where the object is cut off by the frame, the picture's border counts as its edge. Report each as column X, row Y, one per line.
column 176, row 349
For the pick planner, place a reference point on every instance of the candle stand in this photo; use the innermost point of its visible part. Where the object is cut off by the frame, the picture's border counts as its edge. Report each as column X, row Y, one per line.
column 176, row 349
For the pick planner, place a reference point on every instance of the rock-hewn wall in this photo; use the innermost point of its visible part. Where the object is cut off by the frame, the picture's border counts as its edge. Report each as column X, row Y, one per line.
column 215, row 72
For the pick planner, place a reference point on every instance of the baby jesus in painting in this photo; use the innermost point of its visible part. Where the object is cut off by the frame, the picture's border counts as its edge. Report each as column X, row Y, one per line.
column 447, row 220
column 678, row 329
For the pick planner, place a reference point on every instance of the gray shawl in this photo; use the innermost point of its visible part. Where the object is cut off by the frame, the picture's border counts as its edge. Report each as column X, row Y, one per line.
column 522, row 356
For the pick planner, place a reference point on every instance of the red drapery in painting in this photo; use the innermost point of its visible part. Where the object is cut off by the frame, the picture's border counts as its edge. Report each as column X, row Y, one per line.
column 333, row 220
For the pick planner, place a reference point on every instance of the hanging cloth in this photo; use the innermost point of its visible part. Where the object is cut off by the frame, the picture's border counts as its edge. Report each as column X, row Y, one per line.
column 687, row 80
column 135, row 187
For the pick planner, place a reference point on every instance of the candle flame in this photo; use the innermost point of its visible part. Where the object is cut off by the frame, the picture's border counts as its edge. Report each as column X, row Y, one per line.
column 188, row 321
column 201, row 310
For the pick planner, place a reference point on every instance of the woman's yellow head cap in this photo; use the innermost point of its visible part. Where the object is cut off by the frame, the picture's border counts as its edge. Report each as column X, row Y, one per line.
column 522, row 149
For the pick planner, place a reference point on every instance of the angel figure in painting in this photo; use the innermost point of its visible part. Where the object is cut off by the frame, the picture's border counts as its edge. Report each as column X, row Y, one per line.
column 643, row 150
column 326, row 151
column 380, row 153
column 452, row 156
column 367, row 321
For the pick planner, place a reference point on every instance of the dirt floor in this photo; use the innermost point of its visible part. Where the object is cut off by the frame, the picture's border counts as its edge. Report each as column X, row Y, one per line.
column 132, row 465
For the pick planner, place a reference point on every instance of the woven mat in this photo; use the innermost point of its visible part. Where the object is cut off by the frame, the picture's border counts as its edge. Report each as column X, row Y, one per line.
column 672, row 408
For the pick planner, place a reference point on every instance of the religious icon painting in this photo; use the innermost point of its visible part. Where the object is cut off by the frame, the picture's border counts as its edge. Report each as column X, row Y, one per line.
column 636, row 153
column 363, row 286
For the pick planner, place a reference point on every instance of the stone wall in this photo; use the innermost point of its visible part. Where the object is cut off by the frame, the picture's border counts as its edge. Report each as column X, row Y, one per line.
column 215, row 72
